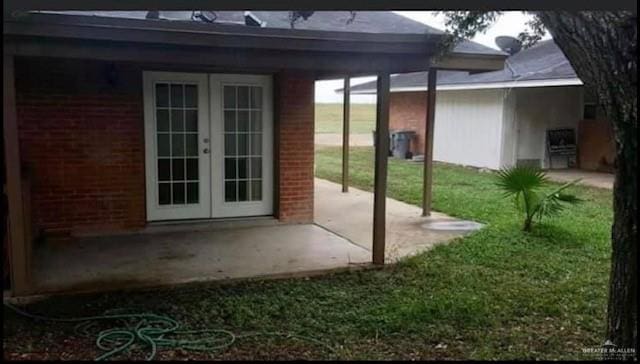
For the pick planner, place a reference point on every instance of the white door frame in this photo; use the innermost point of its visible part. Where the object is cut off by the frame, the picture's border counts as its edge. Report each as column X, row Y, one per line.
column 212, row 202
column 221, row 208
column 202, row 209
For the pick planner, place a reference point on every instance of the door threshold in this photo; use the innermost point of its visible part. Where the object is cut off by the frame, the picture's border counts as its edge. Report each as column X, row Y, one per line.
column 208, row 224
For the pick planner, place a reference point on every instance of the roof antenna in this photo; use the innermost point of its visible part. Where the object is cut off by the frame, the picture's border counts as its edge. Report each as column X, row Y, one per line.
column 352, row 16
column 205, row 16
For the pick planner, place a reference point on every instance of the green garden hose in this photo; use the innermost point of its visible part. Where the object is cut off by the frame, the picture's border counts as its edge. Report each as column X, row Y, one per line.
column 154, row 332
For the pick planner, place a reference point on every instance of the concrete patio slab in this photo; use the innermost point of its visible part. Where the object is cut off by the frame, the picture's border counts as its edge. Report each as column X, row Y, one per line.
column 230, row 250
column 350, row 215
column 589, row 178
column 154, row 259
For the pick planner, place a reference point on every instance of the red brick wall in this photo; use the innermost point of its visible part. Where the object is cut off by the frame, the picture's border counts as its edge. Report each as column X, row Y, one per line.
column 295, row 147
column 81, row 141
column 408, row 110
column 82, row 144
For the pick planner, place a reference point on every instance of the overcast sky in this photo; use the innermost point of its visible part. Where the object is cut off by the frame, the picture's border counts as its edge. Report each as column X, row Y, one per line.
column 510, row 23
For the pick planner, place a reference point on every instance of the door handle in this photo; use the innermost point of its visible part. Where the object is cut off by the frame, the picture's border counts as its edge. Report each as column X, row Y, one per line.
column 205, row 151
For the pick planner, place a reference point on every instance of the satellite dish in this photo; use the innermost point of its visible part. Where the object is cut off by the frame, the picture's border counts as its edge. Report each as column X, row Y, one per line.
column 509, row 44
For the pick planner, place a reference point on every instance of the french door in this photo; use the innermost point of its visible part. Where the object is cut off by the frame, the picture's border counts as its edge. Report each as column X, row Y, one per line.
column 208, row 145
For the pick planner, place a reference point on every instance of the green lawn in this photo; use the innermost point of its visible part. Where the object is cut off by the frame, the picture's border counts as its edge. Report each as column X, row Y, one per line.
column 497, row 294
column 329, row 118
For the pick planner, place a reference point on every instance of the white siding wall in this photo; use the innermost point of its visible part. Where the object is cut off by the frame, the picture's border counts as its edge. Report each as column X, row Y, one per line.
column 468, row 127
column 509, row 153
column 542, row 108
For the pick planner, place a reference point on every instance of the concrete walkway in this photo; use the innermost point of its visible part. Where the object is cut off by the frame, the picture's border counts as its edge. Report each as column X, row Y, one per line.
column 355, row 140
column 589, row 178
column 350, row 215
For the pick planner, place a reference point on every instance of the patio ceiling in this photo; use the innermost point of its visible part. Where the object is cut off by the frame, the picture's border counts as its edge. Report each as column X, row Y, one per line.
column 328, row 54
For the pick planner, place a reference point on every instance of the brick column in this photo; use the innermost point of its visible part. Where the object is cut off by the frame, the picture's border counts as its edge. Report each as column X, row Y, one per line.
column 294, row 99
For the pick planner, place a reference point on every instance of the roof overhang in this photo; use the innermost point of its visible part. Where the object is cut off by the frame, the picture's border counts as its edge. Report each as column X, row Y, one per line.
column 483, row 86
column 191, row 33
column 470, row 62
column 327, row 53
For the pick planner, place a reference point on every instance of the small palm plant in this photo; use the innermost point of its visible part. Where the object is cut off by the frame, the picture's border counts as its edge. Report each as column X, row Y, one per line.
column 523, row 184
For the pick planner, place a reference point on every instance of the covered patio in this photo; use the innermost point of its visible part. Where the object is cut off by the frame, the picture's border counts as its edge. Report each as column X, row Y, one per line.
column 241, row 249
column 98, row 186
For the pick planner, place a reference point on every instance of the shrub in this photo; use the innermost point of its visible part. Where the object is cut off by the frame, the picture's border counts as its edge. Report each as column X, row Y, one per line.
column 524, row 184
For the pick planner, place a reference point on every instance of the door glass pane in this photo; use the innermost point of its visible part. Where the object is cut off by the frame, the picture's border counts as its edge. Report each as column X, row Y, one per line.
column 177, row 169
column 162, row 120
column 230, row 168
column 191, row 96
column 191, row 141
column 177, row 120
column 178, row 193
column 230, row 192
column 192, row 169
column 177, row 143
column 256, row 97
column 243, row 191
column 243, row 97
column 243, row 144
column 164, row 193
column 162, row 95
column 191, row 120
column 256, row 144
column 164, row 145
column 256, row 120
column 177, row 96
column 193, row 192
column 164, row 169
column 243, row 121
column 230, row 121
column 256, row 167
column 243, row 168
column 256, row 190
column 229, row 97
column 230, row 144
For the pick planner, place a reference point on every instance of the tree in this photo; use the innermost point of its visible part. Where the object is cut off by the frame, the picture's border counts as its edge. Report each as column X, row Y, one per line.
column 295, row 16
column 601, row 47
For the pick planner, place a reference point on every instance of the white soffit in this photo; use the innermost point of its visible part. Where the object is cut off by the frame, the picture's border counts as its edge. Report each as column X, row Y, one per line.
column 492, row 85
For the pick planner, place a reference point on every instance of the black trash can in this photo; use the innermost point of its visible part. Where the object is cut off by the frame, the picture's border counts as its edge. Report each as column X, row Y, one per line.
column 401, row 143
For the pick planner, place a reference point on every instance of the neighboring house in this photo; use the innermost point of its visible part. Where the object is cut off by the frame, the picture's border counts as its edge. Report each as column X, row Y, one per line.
column 124, row 119
column 500, row 118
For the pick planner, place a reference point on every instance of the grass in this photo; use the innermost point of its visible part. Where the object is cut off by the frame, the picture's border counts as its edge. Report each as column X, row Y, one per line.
column 497, row 294
column 329, row 118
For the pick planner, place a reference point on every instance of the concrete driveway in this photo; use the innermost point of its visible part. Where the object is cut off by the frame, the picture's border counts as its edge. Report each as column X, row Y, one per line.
column 589, row 178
